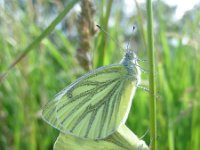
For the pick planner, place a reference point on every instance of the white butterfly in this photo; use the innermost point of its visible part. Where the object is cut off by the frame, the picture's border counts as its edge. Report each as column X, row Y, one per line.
column 96, row 104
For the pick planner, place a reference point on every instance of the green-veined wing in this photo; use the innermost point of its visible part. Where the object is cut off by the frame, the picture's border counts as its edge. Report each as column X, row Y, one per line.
column 96, row 104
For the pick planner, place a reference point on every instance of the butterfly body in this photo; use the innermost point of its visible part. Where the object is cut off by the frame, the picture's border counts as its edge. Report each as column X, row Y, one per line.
column 96, row 104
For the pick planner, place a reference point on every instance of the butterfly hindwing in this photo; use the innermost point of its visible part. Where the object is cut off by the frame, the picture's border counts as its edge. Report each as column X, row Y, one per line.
column 95, row 105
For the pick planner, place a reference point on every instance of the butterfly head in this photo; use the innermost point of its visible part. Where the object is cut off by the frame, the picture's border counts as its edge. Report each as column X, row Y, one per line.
column 130, row 55
column 130, row 61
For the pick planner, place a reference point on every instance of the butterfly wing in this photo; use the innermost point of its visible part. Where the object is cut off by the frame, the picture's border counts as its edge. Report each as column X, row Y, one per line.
column 95, row 105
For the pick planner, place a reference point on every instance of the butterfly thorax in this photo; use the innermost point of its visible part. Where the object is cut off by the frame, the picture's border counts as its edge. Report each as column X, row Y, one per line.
column 130, row 62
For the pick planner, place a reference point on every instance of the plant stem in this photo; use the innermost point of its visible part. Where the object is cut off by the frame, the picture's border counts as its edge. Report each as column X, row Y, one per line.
column 152, row 87
column 102, row 45
column 86, row 31
column 40, row 37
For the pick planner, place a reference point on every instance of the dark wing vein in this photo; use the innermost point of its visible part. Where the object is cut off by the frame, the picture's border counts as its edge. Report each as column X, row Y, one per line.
column 107, row 98
column 114, row 103
column 99, row 87
column 96, row 107
column 81, row 103
column 92, row 118
column 102, row 102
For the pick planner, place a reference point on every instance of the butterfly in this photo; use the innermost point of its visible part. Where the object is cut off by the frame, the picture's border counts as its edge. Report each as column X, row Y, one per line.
column 120, row 140
column 97, row 104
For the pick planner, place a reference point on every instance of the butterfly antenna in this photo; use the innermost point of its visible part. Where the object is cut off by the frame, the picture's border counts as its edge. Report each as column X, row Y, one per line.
column 129, row 41
column 117, row 43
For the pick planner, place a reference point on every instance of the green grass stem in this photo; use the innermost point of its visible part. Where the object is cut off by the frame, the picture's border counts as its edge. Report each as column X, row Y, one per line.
column 35, row 42
column 152, row 88
column 103, row 42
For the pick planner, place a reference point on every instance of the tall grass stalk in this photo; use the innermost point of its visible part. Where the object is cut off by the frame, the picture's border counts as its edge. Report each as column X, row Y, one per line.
column 101, row 47
column 46, row 32
column 152, row 88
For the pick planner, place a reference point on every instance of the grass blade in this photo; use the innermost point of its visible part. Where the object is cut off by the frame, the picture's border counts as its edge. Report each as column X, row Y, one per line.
column 39, row 39
column 152, row 88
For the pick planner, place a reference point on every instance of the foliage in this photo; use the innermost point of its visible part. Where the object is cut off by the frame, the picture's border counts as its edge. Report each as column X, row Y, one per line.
column 51, row 65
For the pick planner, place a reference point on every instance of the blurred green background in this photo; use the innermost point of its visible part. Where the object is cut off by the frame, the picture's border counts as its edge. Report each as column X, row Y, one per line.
column 71, row 49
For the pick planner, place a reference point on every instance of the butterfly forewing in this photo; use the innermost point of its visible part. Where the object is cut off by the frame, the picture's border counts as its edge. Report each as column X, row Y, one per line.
column 95, row 105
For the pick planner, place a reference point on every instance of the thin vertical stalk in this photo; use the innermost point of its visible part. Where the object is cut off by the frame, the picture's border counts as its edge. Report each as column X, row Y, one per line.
column 86, row 30
column 141, row 22
column 40, row 37
column 152, row 87
column 103, row 42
